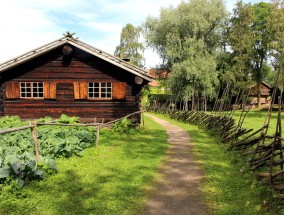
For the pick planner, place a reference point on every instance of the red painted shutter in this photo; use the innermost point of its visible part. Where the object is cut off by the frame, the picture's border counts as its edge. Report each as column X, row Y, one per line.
column 12, row 90
column 49, row 90
column 80, row 90
column 118, row 90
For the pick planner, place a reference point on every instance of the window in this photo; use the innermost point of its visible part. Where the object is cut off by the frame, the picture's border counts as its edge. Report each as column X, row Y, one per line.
column 100, row 90
column 31, row 90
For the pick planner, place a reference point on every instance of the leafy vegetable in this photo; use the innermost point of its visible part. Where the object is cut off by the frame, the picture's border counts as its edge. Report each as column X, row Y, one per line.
column 17, row 153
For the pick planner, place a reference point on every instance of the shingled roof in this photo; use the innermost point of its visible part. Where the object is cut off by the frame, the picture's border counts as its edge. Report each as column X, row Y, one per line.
column 69, row 39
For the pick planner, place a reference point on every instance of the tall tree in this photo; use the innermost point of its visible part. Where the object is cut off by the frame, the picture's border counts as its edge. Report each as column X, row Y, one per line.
column 277, row 33
column 262, row 39
column 240, row 40
column 187, row 38
column 249, row 38
column 129, row 46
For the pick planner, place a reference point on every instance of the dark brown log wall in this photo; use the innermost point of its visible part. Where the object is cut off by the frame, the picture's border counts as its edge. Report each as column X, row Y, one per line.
column 64, row 71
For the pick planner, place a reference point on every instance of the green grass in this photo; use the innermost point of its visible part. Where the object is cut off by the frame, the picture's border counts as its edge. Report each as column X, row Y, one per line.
column 110, row 179
column 229, row 187
column 255, row 119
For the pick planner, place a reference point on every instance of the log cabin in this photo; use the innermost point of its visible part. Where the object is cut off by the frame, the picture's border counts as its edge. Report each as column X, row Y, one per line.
column 265, row 96
column 68, row 76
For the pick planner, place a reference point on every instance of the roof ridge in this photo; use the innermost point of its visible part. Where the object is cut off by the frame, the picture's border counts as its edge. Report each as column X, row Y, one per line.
column 75, row 41
column 110, row 55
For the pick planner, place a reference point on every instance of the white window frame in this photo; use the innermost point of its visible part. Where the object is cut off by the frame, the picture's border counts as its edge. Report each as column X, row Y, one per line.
column 103, row 92
column 35, row 91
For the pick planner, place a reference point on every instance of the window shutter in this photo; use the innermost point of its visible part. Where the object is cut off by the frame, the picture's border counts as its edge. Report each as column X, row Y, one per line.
column 49, row 90
column 12, row 90
column 118, row 90
column 80, row 90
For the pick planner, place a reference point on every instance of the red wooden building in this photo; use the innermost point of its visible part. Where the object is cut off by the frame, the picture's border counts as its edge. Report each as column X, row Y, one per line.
column 70, row 77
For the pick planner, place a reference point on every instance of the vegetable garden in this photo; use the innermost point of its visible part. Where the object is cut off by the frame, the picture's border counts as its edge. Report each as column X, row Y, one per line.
column 18, row 158
column 29, row 152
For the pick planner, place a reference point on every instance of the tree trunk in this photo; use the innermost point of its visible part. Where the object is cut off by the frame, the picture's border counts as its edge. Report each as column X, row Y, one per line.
column 192, row 102
column 258, row 95
column 205, row 103
column 198, row 108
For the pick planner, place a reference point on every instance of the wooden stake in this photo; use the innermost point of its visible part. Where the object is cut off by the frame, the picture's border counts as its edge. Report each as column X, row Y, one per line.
column 98, row 136
column 34, row 134
column 143, row 122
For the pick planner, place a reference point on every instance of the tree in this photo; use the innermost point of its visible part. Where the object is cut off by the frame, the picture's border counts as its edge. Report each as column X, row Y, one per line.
column 130, row 47
column 262, row 39
column 277, row 32
column 249, row 38
column 240, row 40
column 187, row 39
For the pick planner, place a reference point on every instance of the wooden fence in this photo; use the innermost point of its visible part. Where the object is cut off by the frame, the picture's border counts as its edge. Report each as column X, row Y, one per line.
column 34, row 125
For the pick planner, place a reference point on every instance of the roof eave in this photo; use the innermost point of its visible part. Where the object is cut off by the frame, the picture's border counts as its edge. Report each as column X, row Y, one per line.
column 31, row 55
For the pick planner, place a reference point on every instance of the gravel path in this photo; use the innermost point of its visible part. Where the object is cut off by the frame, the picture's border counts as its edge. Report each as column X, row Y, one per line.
column 176, row 190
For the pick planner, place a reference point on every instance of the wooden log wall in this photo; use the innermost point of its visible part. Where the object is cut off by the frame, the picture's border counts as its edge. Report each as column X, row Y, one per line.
column 65, row 70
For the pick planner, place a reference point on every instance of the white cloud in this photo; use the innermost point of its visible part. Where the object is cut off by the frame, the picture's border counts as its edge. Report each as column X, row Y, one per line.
column 27, row 24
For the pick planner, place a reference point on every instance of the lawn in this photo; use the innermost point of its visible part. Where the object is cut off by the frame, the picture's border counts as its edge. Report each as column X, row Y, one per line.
column 110, row 179
column 229, row 187
column 255, row 119
column 115, row 177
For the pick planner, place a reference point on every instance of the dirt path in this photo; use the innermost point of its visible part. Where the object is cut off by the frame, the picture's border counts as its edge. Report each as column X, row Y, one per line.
column 176, row 191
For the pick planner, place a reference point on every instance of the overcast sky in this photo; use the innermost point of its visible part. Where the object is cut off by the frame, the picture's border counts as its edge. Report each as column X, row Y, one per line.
column 28, row 24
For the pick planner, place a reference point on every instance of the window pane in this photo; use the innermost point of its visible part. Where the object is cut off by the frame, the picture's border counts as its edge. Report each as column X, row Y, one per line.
column 31, row 89
column 99, row 90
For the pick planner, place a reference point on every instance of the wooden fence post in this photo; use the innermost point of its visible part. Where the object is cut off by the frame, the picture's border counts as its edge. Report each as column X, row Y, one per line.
column 143, row 122
column 98, row 136
column 34, row 134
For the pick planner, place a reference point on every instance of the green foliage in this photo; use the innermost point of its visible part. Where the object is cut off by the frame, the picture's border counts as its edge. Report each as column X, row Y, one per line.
column 130, row 47
column 249, row 37
column 187, row 39
column 123, row 126
column 67, row 119
column 11, row 122
column 277, row 43
column 17, row 153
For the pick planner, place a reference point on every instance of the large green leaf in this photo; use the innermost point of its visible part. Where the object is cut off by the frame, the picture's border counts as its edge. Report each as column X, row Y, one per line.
column 4, row 173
